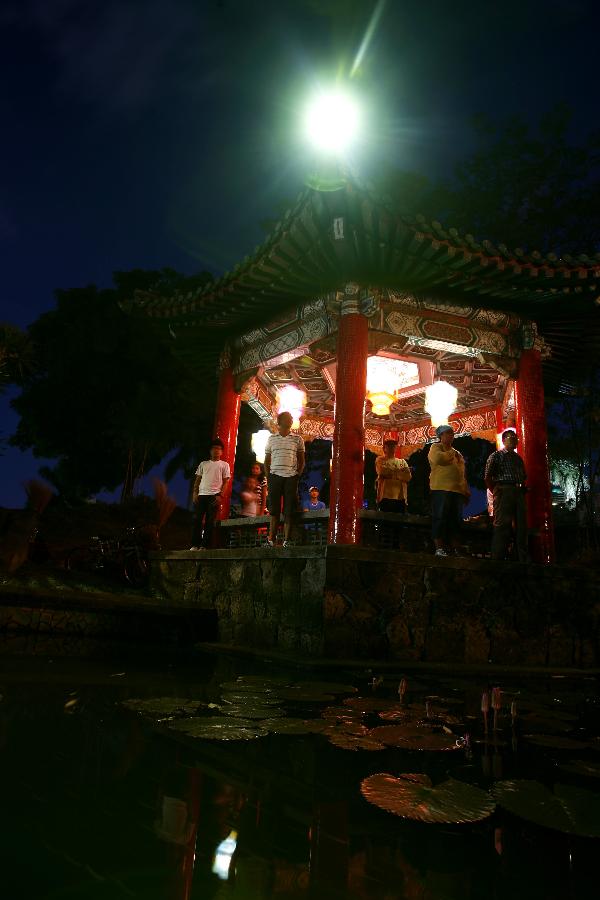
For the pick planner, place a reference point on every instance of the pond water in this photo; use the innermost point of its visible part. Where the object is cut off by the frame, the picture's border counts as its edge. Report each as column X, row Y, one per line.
column 137, row 777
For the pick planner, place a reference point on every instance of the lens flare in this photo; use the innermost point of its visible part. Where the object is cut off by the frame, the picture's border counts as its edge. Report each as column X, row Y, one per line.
column 332, row 120
column 291, row 399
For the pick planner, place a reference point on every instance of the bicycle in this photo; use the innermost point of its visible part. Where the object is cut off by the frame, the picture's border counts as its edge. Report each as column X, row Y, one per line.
column 125, row 557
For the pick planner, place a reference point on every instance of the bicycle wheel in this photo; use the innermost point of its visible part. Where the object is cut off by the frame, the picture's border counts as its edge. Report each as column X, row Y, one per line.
column 79, row 559
column 136, row 567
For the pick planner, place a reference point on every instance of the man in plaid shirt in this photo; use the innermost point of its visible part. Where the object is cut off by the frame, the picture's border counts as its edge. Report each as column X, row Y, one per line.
column 505, row 476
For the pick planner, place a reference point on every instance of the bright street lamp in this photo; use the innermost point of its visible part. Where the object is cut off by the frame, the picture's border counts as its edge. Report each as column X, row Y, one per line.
column 331, row 121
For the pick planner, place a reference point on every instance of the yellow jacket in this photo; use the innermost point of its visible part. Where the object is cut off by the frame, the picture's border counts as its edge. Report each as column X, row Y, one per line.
column 393, row 476
column 447, row 470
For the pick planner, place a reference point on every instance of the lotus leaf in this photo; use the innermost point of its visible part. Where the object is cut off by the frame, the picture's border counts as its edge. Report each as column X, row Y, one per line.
column 250, row 711
column 582, row 767
column 341, row 714
column 346, row 740
column 413, row 737
column 165, row 707
column 254, row 699
column 570, row 809
column 219, row 728
column 555, row 742
column 374, row 704
column 293, row 726
column 304, row 695
column 414, row 797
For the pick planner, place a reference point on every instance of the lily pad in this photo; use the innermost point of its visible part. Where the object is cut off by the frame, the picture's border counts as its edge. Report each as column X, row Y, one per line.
column 219, row 728
column 253, row 699
column 415, row 797
column 573, row 810
column 294, row 726
column 413, row 737
column 582, row 767
column 374, row 704
column 248, row 711
column 346, row 740
column 327, row 687
column 161, row 708
column 251, row 687
column 548, row 724
column 555, row 742
column 341, row 712
column 304, row 695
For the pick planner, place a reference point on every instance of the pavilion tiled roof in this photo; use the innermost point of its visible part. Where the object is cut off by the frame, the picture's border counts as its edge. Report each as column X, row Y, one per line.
column 330, row 238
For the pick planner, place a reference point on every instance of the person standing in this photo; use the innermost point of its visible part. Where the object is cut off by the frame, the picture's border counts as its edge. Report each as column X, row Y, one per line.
column 505, row 476
column 212, row 479
column 250, row 497
column 393, row 475
column 449, row 491
column 284, row 463
column 256, row 472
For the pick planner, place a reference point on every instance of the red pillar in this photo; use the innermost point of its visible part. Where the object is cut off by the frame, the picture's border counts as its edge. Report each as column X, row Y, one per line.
column 533, row 447
column 347, row 469
column 227, row 417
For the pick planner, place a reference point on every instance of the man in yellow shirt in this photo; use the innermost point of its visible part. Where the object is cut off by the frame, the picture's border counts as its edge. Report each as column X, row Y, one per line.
column 449, row 491
column 393, row 475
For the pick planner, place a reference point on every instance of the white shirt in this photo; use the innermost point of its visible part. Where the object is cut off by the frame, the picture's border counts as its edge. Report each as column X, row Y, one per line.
column 213, row 474
column 283, row 452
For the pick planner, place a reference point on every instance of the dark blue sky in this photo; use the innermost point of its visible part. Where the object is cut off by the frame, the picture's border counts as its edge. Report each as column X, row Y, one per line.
column 146, row 133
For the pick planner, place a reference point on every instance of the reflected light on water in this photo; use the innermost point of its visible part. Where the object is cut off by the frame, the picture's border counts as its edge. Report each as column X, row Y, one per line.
column 223, row 854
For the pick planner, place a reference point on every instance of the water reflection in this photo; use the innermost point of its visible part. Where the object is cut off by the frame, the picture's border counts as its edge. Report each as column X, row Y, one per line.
column 101, row 803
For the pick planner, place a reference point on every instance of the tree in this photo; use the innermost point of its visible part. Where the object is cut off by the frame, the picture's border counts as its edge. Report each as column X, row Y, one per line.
column 16, row 355
column 527, row 186
column 574, row 440
column 108, row 399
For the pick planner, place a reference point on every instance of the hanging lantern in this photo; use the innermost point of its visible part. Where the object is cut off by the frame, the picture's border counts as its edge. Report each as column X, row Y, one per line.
column 440, row 402
column 385, row 378
column 291, row 399
column 258, row 443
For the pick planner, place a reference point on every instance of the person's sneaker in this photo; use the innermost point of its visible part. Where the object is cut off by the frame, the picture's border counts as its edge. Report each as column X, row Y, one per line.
column 269, row 544
column 194, row 548
column 287, row 544
column 440, row 552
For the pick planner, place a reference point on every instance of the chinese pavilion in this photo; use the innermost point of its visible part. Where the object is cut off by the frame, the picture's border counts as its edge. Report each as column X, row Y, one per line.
column 344, row 277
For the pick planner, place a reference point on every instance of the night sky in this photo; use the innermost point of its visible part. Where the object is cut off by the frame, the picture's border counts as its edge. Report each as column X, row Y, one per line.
column 149, row 134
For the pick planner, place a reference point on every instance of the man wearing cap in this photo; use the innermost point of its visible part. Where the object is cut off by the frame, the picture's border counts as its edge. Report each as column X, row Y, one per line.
column 505, row 476
column 393, row 475
column 449, row 492
column 212, row 478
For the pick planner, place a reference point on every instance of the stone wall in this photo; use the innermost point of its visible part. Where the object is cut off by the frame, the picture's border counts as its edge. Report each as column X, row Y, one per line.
column 363, row 603
column 262, row 598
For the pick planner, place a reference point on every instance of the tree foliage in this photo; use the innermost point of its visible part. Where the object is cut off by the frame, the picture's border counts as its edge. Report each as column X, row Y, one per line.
column 16, row 355
column 529, row 186
column 107, row 399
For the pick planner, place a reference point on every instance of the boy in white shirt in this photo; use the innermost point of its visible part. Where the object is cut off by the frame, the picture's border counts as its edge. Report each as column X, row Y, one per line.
column 212, row 479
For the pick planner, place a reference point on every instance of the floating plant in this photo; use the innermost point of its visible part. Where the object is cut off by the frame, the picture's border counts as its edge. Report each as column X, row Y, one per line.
column 413, row 796
column 573, row 810
column 413, row 737
column 161, row 708
column 219, row 728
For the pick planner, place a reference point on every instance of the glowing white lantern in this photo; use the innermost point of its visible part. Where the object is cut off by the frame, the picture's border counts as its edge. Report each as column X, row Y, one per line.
column 259, row 443
column 440, row 402
column 291, row 399
column 385, row 378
